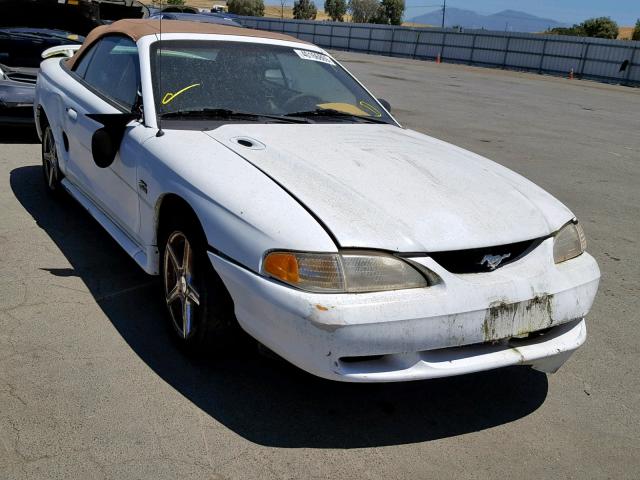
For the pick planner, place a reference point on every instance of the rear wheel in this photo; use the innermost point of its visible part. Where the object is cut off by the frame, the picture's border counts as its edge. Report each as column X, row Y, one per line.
column 198, row 307
column 50, row 166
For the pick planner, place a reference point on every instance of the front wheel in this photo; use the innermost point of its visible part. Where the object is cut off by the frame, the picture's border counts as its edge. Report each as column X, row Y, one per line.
column 50, row 166
column 198, row 307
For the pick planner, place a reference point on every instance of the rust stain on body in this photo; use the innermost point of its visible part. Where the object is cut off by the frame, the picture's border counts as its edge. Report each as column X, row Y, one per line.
column 322, row 308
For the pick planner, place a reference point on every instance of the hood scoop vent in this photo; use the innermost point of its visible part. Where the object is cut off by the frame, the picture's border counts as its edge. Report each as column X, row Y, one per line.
column 249, row 143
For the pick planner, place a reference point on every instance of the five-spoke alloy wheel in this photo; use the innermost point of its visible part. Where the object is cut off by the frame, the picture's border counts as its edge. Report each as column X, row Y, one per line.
column 199, row 308
column 181, row 292
column 50, row 165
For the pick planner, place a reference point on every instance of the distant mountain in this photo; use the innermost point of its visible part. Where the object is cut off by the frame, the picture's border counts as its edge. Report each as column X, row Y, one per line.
column 510, row 20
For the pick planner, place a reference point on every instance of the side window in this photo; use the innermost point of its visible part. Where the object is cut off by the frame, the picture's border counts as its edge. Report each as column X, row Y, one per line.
column 114, row 70
column 81, row 68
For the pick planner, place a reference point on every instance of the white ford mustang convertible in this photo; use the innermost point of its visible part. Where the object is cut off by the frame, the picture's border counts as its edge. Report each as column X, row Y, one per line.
column 269, row 189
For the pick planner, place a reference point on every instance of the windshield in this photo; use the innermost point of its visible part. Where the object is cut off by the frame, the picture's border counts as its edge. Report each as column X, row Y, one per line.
column 258, row 79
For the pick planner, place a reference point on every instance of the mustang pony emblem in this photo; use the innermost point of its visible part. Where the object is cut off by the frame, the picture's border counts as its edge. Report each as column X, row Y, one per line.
column 493, row 261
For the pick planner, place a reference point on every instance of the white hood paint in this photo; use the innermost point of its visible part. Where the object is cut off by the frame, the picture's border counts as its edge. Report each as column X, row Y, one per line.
column 383, row 187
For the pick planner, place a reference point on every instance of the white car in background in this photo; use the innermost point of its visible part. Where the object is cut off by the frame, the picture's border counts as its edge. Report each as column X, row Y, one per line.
column 268, row 187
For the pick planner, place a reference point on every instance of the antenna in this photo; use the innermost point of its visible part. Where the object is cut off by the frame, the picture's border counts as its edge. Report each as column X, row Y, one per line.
column 160, row 132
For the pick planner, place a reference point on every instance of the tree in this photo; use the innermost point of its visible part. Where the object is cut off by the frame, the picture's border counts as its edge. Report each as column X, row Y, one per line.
column 336, row 9
column 390, row 12
column 575, row 31
column 304, row 10
column 636, row 31
column 363, row 11
column 601, row 27
column 251, row 8
column 175, row 2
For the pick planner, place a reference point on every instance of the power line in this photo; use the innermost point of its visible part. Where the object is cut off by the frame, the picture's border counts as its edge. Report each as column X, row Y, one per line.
column 443, row 7
column 444, row 11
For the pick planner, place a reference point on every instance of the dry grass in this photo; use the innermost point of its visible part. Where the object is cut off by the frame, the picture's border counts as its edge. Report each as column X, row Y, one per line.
column 413, row 24
column 275, row 11
column 204, row 3
column 625, row 33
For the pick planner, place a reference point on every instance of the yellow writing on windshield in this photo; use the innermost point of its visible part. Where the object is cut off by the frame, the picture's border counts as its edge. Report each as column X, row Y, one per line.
column 370, row 107
column 169, row 96
column 343, row 107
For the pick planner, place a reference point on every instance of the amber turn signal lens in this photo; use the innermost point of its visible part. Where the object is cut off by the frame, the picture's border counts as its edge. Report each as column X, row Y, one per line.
column 283, row 266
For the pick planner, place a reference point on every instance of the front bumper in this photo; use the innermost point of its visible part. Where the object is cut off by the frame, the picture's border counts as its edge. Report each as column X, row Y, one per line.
column 466, row 323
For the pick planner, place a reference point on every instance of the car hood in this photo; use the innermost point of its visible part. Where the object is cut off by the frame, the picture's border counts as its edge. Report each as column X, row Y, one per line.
column 384, row 187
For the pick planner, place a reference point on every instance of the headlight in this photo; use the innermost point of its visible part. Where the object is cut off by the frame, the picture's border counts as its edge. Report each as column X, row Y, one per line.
column 569, row 242
column 351, row 272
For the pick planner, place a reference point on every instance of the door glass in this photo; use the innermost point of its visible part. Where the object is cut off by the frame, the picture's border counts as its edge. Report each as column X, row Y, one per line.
column 114, row 70
column 81, row 67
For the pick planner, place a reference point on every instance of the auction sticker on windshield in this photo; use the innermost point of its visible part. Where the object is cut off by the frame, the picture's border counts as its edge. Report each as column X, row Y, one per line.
column 314, row 56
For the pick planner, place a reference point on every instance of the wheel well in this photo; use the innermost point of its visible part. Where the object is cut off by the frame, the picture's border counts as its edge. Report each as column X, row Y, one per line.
column 172, row 205
column 43, row 121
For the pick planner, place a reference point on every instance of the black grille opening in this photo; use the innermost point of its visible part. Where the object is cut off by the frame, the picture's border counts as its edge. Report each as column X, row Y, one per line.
column 486, row 259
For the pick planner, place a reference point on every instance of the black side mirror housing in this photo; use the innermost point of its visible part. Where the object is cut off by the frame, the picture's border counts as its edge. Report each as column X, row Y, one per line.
column 385, row 104
column 105, row 142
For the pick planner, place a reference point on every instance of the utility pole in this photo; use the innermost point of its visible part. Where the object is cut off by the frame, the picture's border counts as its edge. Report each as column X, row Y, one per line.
column 444, row 11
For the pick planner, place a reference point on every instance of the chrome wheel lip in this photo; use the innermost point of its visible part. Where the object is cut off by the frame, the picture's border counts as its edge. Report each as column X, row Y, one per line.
column 179, row 287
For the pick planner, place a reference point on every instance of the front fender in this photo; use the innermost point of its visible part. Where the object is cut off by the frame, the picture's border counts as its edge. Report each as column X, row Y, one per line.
column 242, row 211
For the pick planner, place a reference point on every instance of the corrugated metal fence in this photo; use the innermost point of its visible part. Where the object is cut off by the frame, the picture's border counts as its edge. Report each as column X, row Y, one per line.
column 615, row 61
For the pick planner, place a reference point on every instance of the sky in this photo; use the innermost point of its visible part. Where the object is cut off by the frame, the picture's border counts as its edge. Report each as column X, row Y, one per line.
column 625, row 12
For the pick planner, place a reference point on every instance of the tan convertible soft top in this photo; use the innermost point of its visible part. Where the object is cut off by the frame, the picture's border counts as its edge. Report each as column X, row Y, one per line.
column 136, row 28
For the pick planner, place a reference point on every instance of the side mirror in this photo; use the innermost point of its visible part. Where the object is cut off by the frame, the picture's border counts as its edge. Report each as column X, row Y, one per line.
column 385, row 104
column 105, row 142
column 103, row 148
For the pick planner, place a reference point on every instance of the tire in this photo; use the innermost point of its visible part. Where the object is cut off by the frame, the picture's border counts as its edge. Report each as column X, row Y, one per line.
column 50, row 166
column 198, row 308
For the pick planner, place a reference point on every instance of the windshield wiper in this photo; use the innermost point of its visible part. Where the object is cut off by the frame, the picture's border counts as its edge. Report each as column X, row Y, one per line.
column 225, row 113
column 331, row 113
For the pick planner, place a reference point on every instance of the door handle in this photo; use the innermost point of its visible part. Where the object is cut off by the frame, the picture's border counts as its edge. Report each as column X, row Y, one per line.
column 73, row 115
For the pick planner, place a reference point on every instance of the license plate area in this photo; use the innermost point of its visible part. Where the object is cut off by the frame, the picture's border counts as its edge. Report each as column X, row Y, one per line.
column 505, row 320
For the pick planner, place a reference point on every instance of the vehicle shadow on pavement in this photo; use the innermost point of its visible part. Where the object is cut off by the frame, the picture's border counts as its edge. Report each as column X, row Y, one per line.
column 268, row 401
